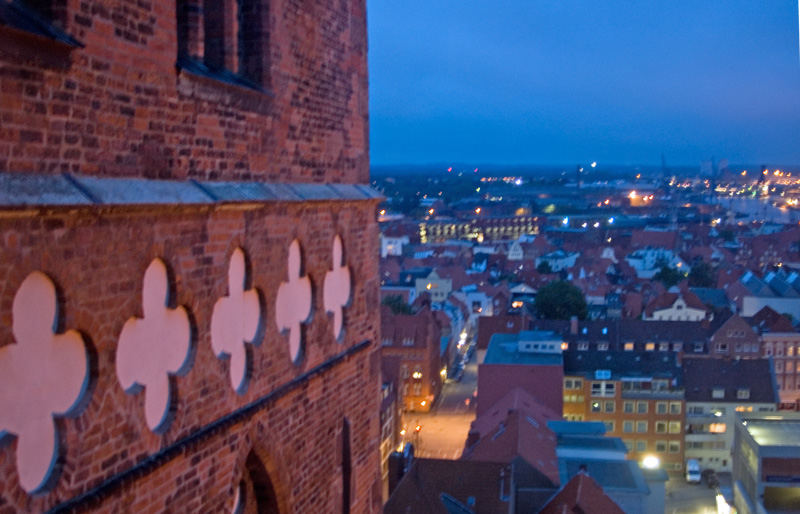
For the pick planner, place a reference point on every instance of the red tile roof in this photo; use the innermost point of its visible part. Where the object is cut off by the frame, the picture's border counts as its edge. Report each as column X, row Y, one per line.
column 581, row 495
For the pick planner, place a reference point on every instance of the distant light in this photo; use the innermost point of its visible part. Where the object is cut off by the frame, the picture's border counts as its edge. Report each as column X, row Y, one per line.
column 382, row 212
column 476, row 170
column 594, row 164
column 611, row 220
column 651, row 462
column 423, row 403
column 518, row 182
column 638, row 176
column 430, row 211
column 632, row 195
column 477, row 210
column 584, row 225
column 418, row 428
column 596, row 224
column 449, row 169
column 565, row 221
column 564, row 345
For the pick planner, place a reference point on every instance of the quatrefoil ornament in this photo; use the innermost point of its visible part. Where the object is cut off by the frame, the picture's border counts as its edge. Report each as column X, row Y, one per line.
column 293, row 304
column 336, row 291
column 43, row 374
column 153, row 347
column 235, row 321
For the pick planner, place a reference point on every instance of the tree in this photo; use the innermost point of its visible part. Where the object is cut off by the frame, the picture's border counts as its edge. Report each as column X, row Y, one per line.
column 397, row 304
column 669, row 276
column 544, row 268
column 702, row 275
column 560, row 300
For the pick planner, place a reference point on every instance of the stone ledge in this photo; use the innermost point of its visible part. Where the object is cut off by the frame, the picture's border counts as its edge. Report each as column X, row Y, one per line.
column 38, row 190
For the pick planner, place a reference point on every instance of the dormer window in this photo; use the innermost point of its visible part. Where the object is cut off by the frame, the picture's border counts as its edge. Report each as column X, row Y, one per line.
column 718, row 393
column 743, row 394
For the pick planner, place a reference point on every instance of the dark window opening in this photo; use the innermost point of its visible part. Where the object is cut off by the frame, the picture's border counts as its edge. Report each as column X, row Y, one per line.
column 266, row 501
column 346, row 467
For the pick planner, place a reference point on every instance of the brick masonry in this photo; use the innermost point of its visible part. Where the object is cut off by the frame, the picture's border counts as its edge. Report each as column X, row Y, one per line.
column 97, row 260
column 118, row 106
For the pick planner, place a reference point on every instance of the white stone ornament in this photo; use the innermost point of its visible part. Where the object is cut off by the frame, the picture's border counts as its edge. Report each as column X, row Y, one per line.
column 336, row 291
column 293, row 304
column 42, row 374
column 235, row 321
column 152, row 347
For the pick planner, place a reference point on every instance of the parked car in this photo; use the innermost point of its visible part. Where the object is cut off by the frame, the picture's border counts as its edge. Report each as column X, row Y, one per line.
column 693, row 471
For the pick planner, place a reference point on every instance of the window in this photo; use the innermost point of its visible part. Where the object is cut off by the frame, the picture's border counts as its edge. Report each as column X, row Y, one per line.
column 718, row 393
column 627, row 427
column 674, row 427
column 577, row 383
column 674, row 407
column 676, row 347
column 663, row 347
column 627, row 407
column 722, row 347
column 674, row 446
column 661, row 446
column 386, row 342
column 234, row 42
column 609, row 406
column 403, row 371
column 603, row 388
column 628, row 347
column 696, row 410
column 641, row 427
column 602, row 347
column 567, row 383
column 595, row 406
column 743, row 394
column 628, row 444
column 582, row 347
column 641, row 445
column 641, row 407
column 661, row 407
column 417, row 389
column 650, row 347
column 717, row 428
column 661, row 427
column 609, row 426
column 408, row 341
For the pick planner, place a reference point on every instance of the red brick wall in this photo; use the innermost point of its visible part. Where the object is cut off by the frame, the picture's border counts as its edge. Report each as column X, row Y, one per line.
column 97, row 258
column 118, row 107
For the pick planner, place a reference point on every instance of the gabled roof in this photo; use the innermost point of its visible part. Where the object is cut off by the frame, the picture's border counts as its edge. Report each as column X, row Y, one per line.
column 667, row 300
column 582, row 494
column 420, row 490
column 702, row 376
column 519, row 435
column 768, row 320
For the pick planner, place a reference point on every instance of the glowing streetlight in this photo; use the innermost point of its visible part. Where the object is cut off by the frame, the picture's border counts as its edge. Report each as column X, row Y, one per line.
column 651, row 462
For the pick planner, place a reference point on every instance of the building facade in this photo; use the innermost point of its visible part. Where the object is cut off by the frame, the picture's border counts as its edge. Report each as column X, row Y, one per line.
column 189, row 285
column 639, row 398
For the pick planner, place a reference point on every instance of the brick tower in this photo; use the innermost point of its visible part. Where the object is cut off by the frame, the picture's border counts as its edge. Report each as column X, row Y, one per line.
column 188, row 258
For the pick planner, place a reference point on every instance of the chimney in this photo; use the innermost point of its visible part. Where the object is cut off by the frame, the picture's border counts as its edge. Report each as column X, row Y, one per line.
column 573, row 325
column 583, row 469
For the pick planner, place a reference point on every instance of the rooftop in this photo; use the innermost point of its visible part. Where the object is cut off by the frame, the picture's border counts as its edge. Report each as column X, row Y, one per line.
column 504, row 349
column 775, row 430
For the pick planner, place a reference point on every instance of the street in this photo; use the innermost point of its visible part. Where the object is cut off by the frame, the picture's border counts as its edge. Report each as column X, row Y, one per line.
column 444, row 430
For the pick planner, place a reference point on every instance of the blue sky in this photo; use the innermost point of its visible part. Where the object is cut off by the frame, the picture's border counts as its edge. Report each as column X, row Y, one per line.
column 569, row 81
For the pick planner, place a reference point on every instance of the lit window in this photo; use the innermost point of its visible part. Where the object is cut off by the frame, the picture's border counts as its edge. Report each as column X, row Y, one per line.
column 595, row 406
column 674, row 427
column 743, row 394
column 628, row 347
column 717, row 428
column 718, row 393
column 650, row 347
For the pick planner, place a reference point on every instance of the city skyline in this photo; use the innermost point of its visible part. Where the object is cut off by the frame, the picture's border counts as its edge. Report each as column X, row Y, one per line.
column 542, row 83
